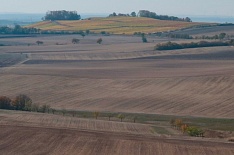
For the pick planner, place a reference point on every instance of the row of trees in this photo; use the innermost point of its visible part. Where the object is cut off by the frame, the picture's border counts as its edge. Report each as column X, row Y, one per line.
column 184, row 128
column 221, row 36
column 18, row 30
column 22, row 102
column 62, row 15
column 173, row 45
column 148, row 14
column 133, row 14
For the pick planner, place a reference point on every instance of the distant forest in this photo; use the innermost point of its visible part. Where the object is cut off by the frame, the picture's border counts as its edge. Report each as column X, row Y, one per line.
column 148, row 14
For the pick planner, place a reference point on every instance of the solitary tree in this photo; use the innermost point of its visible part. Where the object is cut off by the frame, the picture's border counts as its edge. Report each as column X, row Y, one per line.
column 133, row 14
column 96, row 114
column 39, row 42
column 121, row 117
column 134, row 119
column 110, row 115
column 178, row 123
column 53, row 110
column 222, row 36
column 75, row 41
column 99, row 41
column 144, row 40
column 87, row 32
column 63, row 111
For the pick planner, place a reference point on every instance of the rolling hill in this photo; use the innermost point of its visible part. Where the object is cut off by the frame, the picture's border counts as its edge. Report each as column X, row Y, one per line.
column 115, row 25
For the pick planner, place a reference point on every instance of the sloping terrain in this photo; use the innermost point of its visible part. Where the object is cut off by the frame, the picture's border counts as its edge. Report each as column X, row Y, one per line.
column 116, row 25
column 32, row 133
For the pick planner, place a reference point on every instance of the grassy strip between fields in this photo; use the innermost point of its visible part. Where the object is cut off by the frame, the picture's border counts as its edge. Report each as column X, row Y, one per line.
column 223, row 124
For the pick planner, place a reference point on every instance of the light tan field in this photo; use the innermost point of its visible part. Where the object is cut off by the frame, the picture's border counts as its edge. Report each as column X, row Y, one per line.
column 121, row 75
column 116, row 25
column 29, row 133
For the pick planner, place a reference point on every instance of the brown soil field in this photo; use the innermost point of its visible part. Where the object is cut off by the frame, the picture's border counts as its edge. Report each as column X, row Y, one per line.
column 123, row 75
column 208, row 30
column 32, row 133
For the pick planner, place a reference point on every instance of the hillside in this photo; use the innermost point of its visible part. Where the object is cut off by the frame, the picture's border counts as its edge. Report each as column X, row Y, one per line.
column 116, row 25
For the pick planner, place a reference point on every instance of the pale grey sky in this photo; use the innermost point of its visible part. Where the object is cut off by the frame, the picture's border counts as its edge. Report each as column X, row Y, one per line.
column 170, row 7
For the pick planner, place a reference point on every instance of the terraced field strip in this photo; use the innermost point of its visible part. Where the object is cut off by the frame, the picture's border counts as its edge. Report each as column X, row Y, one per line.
column 46, row 120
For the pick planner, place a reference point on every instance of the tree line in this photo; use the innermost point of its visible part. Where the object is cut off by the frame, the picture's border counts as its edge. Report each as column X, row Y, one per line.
column 148, row 14
column 172, row 45
column 18, row 30
column 62, row 15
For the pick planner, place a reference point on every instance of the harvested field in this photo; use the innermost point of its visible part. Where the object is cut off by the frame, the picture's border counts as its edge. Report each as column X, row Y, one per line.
column 116, row 25
column 32, row 133
column 65, row 141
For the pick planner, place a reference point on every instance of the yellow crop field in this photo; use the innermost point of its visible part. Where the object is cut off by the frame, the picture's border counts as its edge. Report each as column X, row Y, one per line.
column 116, row 25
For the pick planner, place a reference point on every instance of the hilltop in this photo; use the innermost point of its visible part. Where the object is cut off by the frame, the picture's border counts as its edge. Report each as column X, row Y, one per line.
column 115, row 25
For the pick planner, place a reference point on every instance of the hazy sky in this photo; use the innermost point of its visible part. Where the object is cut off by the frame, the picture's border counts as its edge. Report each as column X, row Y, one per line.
column 170, row 7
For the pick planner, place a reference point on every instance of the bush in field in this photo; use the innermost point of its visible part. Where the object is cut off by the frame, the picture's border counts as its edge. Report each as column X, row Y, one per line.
column 121, row 117
column 5, row 103
column 195, row 132
column 99, row 41
column 87, row 32
column 144, row 40
column 22, row 102
column 75, row 41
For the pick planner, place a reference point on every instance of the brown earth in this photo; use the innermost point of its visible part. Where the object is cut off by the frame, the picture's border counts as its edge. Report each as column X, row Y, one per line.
column 34, row 133
column 122, row 75
column 125, row 76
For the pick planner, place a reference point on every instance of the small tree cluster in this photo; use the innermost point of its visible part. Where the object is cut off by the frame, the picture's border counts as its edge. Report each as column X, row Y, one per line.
column 22, row 102
column 62, row 15
column 220, row 36
column 181, row 36
column 173, row 45
column 184, row 128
